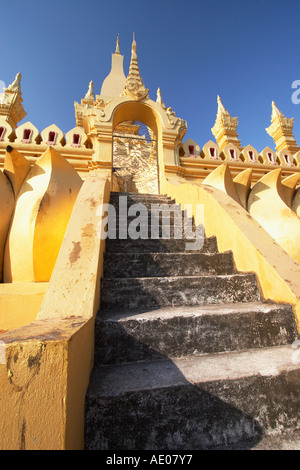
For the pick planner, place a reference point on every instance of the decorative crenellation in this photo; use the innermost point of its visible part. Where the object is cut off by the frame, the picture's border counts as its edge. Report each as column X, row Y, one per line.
column 231, row 154
column 229, row 150
column 52, row 135
column 75, row 145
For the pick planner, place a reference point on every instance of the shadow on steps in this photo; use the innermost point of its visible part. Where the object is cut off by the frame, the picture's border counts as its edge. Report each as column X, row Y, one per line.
column 150, row 405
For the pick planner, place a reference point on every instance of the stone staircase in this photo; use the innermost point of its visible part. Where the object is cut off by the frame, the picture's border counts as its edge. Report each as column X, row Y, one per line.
column 187, row 355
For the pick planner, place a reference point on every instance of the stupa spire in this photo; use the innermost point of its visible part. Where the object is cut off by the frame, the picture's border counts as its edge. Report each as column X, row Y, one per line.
column 225, row 127
column 117, row 45
column 114, row 83
column 11, row 103
column 275, row 111
column 281, row 130
column 221, row 108
column 134, row 85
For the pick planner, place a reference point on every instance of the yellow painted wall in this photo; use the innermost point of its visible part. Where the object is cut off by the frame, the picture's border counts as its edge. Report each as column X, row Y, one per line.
column 20, row 303
column 254, row 250
column 43, row 385
column 48, row 362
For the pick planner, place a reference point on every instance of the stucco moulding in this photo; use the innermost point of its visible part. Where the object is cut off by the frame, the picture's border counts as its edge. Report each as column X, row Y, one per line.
column 7, row 133
column 52, row 135
column 27, row 133
column 106, row 115
column 248, row 155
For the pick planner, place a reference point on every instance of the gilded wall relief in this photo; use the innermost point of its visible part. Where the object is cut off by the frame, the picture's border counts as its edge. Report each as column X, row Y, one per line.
column 135, row 167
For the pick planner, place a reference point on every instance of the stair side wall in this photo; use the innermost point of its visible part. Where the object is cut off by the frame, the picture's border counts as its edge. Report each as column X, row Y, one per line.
column 48, row 362
column 254, row 250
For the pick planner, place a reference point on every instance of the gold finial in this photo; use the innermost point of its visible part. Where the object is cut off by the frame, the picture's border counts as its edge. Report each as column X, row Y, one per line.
column 90, row 93
column 281, row 130
column 159, row 99
column 225, row 127
column 15, row 85
column 221, row 108
column 133, row 49
column 134, row 85
column 118, row 45
column 275, row 110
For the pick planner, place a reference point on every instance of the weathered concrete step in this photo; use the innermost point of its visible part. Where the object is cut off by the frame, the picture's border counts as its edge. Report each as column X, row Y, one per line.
column 152, row 227
column 159, row 245
column 174, row 332
column 141, row 197
column 149, row 204
column 283, row 441
column 131, row 194
column 166, row 264
column 198, row 402
column 148, row 230
column 166, row 204
column 163, row 217
column 177, row 291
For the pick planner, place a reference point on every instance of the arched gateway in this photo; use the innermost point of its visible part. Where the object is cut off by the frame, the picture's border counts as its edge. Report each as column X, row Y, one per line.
column 134, row 162
column 134, row 137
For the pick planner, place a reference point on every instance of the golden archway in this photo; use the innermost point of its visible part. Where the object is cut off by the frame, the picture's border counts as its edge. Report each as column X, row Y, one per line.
column 134, row 163
column 168, row 130
column 135, row 166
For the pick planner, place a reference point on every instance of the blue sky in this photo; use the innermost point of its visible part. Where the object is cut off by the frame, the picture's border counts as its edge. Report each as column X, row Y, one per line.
column 247, row 52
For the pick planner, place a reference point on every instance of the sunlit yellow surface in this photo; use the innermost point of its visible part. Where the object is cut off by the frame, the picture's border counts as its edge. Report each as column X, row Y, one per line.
column 43, row 208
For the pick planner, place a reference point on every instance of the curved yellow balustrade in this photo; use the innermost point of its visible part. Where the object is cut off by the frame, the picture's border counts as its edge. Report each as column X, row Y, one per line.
column 296, row 202
column 43, row 208
column 7, row 202
column 288, row 185
column 267, row 205
column 221, row 179
column 242, row 184
column 16, row 168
